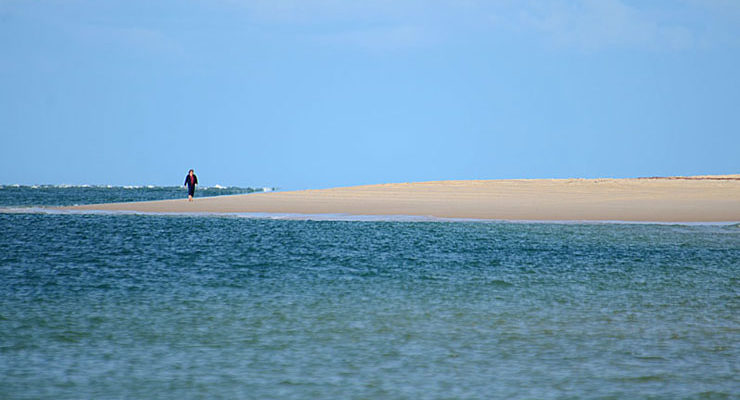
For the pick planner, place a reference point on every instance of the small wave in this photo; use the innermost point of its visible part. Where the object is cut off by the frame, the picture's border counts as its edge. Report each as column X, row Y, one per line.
column 500, row 283
column 28, row 210
column 645, row 378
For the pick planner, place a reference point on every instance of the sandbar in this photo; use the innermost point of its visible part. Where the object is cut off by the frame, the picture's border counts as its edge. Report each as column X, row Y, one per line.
column 655, row 199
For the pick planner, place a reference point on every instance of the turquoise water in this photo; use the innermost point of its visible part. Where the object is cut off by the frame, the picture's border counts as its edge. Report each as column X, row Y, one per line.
column 146, row 306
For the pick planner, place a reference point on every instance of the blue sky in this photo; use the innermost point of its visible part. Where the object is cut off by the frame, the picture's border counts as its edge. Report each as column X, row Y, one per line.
column 322, row 93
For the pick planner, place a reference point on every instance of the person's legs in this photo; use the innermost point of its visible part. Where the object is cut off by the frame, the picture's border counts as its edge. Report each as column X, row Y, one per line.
column 191, row 193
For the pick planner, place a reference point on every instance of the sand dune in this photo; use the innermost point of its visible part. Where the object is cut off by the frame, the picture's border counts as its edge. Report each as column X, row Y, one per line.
column 672, row 199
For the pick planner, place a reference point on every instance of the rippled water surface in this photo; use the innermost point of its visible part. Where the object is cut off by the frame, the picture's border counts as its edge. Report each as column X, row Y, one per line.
column 67, row 195
column 127, row 306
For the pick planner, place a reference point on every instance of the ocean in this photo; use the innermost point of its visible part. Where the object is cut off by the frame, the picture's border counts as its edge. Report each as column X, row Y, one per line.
column 117, row 305
column 68, row 195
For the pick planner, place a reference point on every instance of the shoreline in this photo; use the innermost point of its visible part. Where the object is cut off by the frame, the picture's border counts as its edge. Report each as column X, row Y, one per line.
column 669, row 200
column 345, row 217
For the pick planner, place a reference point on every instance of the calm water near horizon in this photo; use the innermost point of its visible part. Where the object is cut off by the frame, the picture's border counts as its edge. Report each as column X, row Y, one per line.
column 69, row 195
column 152, row 306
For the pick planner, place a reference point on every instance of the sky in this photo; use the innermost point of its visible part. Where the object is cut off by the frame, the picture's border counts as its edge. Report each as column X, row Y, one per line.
column 322, row 93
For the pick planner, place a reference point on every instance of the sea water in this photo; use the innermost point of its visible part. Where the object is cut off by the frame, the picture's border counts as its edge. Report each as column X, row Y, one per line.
column 99, row 306
column 69, row 195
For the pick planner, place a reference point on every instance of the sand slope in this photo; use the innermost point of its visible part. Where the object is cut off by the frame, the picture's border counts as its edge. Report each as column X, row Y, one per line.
column 675, row 199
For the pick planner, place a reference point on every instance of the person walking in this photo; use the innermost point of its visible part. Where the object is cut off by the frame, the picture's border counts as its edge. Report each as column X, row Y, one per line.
column 190, row 181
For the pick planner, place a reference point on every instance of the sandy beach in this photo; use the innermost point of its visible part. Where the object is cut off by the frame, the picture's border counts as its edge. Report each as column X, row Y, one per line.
column 659, row 199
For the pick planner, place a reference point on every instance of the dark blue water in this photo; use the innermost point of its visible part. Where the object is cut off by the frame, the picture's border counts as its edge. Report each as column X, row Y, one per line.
column 145, row 306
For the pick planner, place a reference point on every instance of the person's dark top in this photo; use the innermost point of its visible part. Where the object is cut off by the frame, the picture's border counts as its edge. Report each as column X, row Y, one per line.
column 191, row 182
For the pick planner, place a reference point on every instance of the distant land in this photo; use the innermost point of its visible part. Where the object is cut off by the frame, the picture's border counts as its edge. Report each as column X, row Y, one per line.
column 706, row 198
